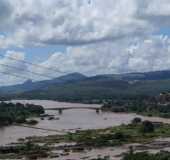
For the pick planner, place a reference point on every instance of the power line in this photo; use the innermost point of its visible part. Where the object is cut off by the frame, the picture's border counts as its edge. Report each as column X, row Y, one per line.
column 14, row 75
column 33, row 64
column 22, row 69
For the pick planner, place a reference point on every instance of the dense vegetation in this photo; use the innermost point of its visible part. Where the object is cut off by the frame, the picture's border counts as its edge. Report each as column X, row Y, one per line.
column 18, row 113
column 98, row 89
column 77, row 87
column 150, row 106
column 26, row 150
column 141, row 156
column 147, row 156
column 136, row 132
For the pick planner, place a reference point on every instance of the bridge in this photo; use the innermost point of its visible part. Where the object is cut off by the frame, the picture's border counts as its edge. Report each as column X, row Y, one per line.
column 61, row 109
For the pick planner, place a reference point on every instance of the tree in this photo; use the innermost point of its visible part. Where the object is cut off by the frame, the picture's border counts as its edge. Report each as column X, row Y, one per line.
column 147, row 127
column 136, row 120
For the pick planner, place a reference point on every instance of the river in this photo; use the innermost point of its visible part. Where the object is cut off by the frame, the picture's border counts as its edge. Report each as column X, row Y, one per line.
column 70, row 120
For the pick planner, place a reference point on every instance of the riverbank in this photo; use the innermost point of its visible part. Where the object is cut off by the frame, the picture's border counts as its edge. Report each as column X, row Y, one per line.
column 12, row 113
column 88, row 140
column 99, row 134
column 69, row 121
column 113, row 136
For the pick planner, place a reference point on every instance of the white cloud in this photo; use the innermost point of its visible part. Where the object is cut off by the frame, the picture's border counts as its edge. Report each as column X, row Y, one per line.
column 139, row 56
column 13, row 58
column 11, row 68
column 158, row 7
column 110, row 36
column 133, row 55
column 75, row 22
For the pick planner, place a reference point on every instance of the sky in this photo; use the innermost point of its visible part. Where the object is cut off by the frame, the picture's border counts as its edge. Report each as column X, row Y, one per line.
column 57, row 37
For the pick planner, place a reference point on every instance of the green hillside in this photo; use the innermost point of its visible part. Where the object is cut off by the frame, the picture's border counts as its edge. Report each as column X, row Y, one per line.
column 99, row 88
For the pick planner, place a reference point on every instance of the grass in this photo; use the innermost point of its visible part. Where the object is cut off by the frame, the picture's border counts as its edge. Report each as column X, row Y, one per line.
column 107, row 137
column 96, row 138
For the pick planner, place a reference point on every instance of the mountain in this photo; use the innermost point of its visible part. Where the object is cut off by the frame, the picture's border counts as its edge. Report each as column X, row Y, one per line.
column 155, row 75
column 99, row 88
column 75, row 86
column 29, row 85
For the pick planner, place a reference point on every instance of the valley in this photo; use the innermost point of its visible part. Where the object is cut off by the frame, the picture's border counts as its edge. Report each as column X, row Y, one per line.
column 65, row 137
column 95, row 118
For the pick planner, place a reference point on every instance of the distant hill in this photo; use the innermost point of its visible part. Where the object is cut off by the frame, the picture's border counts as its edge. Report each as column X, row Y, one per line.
column 30, row 86
column 156, row 75
column 76, row 86
column 94, row 88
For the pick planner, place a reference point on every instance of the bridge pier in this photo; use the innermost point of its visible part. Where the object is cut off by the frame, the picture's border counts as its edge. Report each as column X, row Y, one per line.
column 97, row 110
column 60, row 111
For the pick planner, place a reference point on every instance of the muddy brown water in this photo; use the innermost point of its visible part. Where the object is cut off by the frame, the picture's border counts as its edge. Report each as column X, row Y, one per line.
column 70, row 120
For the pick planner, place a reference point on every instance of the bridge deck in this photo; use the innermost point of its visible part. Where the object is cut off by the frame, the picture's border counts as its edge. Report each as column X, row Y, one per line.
column 67, row 108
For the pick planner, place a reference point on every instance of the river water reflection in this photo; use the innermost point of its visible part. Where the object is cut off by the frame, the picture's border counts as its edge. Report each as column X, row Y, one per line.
column 69, row 120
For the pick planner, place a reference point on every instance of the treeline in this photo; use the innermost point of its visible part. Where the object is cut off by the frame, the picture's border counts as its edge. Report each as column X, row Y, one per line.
column 18, row 113
column 147, row 156
column 150, row 106
column 141, row 156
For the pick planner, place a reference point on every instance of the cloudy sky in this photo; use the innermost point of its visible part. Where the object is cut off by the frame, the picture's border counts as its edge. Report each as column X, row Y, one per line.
column 43, row 39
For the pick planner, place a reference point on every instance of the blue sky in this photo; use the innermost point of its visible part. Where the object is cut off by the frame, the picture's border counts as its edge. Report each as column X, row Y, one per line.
column 164, row 31
column 40, row 54
column 35, row 53
column 100, row 37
